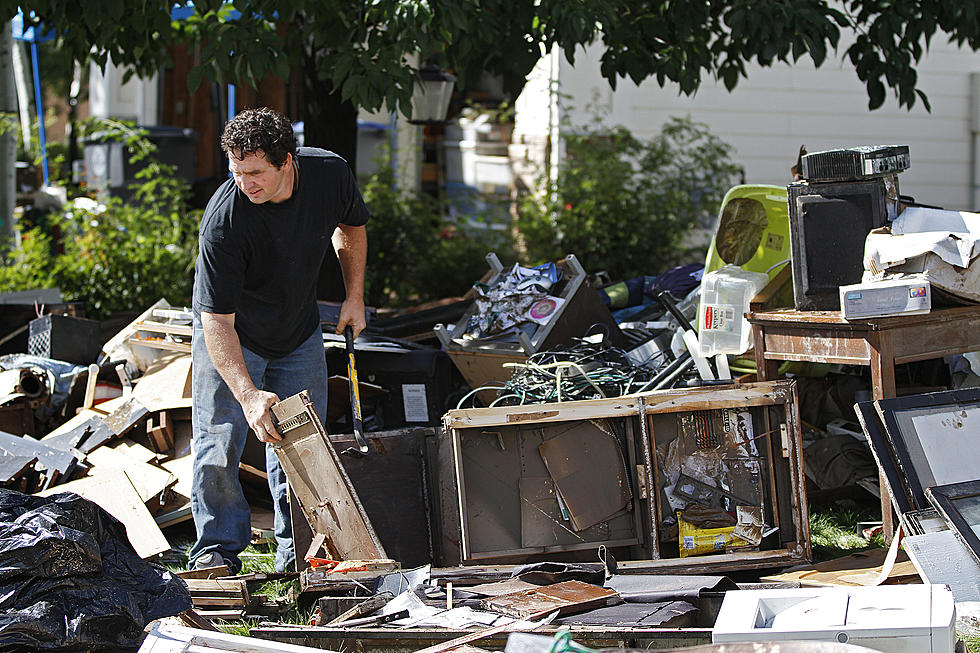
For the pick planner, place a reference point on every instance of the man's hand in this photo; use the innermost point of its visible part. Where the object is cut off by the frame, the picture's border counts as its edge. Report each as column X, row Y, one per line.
column 256, row 404
column 351, row 313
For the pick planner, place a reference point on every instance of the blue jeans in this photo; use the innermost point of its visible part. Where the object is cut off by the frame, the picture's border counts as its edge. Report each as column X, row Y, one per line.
column 221, row 513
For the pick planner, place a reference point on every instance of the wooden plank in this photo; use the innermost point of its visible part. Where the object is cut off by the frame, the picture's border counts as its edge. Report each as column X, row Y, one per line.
column 203, row 574
column 159, row 343
column 319, row 481
column 218, row 591
column 149, row 480
column 166, row 383
column 567, row 597
column 160, row 432
column 660, row 401
column 129, row 413
column 93, row 430
column 135, row 450
column 13, row 467
column 114, row 493
column 161, row 327
column 54, row 460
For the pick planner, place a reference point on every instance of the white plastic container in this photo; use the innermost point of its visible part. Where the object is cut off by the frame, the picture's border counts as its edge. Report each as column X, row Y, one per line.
column 725, row 296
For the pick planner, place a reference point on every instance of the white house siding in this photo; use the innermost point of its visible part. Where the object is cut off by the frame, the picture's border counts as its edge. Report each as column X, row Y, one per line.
column 777, row 109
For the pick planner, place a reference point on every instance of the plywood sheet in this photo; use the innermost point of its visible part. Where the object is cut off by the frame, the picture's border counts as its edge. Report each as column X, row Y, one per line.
column 114, row 493
column 166, row 383
column 149, row 480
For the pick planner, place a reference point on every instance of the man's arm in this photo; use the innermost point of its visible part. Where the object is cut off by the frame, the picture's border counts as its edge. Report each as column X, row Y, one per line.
column 225, row 349
column 350, row 244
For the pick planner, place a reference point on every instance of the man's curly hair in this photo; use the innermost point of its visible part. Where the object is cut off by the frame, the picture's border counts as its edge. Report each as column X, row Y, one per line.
column 262, row 129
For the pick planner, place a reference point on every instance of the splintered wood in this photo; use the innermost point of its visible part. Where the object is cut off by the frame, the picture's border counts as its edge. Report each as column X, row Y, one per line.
column 321, row 485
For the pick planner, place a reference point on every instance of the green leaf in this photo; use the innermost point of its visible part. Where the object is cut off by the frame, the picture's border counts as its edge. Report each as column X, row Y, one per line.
column 194, row 77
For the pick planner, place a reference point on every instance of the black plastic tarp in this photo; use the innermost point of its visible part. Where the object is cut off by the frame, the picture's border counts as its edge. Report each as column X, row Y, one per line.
column 70, row 579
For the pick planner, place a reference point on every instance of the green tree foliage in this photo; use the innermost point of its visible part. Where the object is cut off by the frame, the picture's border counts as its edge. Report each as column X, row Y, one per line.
column 370, row 49
column 621, row 204
column 417, row 252
column 115, row 256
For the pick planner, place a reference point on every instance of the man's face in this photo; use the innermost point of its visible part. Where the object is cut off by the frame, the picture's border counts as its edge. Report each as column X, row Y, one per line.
column 260, row 180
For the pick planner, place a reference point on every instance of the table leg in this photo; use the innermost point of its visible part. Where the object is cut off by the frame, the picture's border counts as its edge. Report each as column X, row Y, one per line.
column 882, row 387
column 765, row 370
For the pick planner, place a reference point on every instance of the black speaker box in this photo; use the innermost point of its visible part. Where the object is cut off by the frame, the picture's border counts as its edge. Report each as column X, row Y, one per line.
column 828, row 224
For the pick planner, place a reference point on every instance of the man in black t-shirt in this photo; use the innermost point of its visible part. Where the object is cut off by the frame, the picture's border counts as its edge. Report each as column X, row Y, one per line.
column 257, row 335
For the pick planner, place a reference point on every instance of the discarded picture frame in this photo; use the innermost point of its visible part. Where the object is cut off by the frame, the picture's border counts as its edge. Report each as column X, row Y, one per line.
column 932, row 439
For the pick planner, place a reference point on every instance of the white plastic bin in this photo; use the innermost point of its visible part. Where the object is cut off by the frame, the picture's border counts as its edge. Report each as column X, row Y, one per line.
column 725, row 296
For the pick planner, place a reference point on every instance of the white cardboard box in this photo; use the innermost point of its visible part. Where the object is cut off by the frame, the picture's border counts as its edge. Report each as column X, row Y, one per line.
column 908, row 295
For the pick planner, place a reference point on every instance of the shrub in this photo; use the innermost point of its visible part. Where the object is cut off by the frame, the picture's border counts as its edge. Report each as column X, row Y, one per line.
column 623, row 205
column 115, row 256
column 417, row 250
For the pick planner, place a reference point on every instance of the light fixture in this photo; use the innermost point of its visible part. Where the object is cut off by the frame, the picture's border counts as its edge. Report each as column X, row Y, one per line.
column 430, row 99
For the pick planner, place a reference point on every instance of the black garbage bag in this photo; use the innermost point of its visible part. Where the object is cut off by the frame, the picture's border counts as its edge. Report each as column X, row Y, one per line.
column 70, row 579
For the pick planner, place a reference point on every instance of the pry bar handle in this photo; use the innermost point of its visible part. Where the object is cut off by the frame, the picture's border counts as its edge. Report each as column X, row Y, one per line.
column 355, row 393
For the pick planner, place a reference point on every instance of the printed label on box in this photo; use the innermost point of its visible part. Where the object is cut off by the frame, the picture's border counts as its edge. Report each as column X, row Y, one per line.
column 413, row 397
column 719, row 317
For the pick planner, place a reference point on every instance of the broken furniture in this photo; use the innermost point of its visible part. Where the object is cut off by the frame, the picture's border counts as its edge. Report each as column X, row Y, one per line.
column 536, row 481
column 577, row 311
column 887, row 618
column 321, row 485
column 881, row 343
column 392, row 483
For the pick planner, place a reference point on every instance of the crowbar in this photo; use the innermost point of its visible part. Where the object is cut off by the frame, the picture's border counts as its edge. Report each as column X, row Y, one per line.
column 355, row 394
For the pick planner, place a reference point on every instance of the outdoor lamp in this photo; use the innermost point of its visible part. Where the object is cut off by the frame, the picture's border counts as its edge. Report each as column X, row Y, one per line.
column 430, row 99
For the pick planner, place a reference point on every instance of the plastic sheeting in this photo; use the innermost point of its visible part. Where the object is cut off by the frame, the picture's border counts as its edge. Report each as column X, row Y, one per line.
column 70, row 579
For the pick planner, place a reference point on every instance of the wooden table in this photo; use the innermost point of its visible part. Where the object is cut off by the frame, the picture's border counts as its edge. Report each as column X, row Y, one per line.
column 880, row 343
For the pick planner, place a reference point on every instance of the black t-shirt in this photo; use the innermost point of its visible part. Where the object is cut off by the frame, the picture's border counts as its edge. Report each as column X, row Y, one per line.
column 262, row 261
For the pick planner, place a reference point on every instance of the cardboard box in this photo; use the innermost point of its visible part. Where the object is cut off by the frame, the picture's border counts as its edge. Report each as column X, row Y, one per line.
column 909, row 295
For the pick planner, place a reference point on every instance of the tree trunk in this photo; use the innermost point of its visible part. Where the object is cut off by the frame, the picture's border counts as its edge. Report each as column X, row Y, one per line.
column 331, row 124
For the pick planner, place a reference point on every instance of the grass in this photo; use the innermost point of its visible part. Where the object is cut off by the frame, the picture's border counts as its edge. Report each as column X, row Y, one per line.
column 833, row 531
column 255, row 559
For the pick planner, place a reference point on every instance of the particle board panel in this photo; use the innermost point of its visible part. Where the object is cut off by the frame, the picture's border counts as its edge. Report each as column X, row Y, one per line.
column 114, row 492
column 316, row 475
column 567, row 597
column 149, row 480
column 166, row 383
column 57, row 462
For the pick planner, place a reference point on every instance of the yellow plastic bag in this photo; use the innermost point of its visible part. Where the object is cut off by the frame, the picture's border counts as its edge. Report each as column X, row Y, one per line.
column 694, row 541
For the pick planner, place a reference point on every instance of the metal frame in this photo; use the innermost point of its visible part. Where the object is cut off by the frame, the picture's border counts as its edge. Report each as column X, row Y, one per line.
column 889, row 411
column 884, row 455
column 943, row 497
